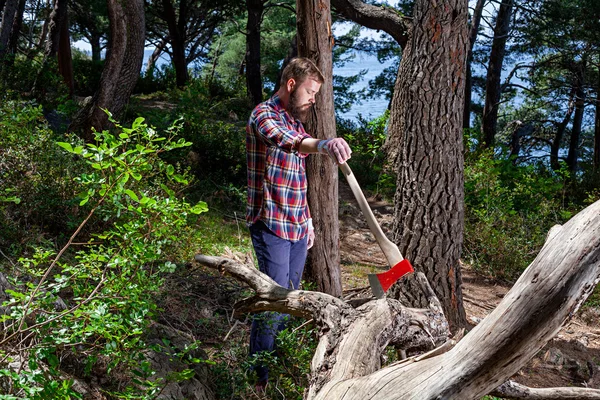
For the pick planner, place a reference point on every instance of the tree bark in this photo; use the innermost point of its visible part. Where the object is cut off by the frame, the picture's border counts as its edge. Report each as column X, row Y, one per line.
column 597, row 129
column 573, row 155
column 176, row 25
column 351, row 339
column 253, row 74
column 560, row 132
column 425, row 148
column 474, row 29
column 315, row 41
column 96, row 47
column 16, row 29
column 493, row 90
column 375, row 17
column 65, row 60
column 8, row 18
column 122, row 68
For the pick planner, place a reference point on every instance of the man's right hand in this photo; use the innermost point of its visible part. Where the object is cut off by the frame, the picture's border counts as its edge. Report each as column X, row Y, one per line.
column 336, row 148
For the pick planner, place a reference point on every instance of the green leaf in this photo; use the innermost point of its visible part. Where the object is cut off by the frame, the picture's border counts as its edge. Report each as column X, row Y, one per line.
column 66, row 146
column 170, row 170
column 132, row 194
column 180, row 179
column 199, row 208
column 137, row 176
column 124, row 136
column 84, row 200
column 138, row 121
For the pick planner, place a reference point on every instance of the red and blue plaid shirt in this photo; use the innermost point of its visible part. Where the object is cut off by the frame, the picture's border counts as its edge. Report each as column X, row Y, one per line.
column 276, row 171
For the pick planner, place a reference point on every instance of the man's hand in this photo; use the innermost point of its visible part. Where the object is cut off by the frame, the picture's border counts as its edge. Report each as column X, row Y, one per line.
column 311, row 239
column 336, row 148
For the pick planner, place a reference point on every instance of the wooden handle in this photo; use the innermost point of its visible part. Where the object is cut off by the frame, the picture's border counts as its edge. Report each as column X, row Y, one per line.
column 390, row 250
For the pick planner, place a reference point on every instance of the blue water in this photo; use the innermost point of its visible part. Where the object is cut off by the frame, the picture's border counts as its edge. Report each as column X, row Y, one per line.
column 370, row 108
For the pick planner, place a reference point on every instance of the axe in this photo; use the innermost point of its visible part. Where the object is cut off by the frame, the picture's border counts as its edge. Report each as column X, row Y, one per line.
column 400, row 266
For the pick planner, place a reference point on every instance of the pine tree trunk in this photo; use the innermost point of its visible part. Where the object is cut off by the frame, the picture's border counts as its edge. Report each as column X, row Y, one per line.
column 475, row 21
column 315, row 41
column 8, row 18
column 560, row 132
column 253, row 74
column 493, row 90
column 597, row 129
column 176, row 26
column 425, row 134
column 122, row 68
column 573, row 154
column 16, row 29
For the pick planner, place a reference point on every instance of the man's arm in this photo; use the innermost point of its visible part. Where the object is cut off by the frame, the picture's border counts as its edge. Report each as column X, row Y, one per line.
column 336, row 148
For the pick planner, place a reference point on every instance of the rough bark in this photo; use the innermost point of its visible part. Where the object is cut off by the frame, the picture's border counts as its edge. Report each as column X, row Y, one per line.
column 176, row 24
column 16, row 29
column 8, row 18
column 315, row 41
column 345, row 363
column 375, row 17
column 473, row 30
column 597, row 129
column 425, row 148
column 560, row 132
column 493, row 89
column 253, row 73
column 121, row 70
column 57, row 18
column 574, row 142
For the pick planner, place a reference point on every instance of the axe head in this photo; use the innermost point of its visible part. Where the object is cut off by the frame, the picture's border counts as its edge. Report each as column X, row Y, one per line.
column 380, row 283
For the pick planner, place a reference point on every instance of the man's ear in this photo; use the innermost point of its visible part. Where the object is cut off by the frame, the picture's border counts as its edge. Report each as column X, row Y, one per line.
column 290, row 85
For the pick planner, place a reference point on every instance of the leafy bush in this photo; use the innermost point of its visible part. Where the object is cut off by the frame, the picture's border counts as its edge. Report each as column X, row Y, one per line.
column 508, row 211
column 38, row 173
column 156, row 79
column 93, row 299
column 366, row 139
column 86, row 73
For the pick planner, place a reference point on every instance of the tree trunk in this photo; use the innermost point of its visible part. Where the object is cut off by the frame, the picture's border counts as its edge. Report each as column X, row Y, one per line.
column 96, row 47
column 65, row 60
column 560, row 132
column 315, row 41
column 493, row 90
column 177, row 36
column 475, row 21
column 16, row 29
column 573, row 154
column 597, row 129
column 346, row 366
column 57, row 16
column 8, row 18
column 425, row 147
column 155, row 55
column 122, row 68
column 253, row 73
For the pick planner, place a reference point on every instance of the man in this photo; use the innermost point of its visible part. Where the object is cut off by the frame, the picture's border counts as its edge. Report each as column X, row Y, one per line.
column 277, row 214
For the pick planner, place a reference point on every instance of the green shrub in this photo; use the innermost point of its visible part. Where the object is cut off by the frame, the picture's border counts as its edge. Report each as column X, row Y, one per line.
column 108, row 279
column 366, row 139
column 39, row 173
column 86, row 74
column 508, row 211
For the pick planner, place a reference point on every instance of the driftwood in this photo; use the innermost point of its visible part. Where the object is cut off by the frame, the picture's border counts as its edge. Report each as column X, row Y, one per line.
column 346, row 364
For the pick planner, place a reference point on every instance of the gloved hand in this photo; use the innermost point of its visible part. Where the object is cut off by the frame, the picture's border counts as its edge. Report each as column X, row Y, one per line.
column 336, row 148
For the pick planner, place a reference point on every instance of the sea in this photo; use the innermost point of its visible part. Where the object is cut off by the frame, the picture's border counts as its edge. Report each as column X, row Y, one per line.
column 369, row 108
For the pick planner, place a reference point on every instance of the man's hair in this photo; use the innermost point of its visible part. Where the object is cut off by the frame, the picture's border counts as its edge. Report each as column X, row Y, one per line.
column 299, row 69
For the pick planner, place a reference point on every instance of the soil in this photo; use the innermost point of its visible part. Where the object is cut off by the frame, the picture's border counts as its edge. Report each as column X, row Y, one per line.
column 572, row 358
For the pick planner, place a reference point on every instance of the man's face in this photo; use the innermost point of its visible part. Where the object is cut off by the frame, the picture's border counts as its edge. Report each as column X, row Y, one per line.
column 302, row 98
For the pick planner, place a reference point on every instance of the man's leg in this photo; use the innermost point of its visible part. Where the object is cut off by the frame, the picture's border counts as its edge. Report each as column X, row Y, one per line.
column 273, row 255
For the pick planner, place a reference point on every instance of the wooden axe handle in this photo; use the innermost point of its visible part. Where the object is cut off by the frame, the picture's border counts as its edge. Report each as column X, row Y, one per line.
column 390, row 250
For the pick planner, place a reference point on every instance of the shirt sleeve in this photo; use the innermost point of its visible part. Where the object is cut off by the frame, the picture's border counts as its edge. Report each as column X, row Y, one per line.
column 271, row 127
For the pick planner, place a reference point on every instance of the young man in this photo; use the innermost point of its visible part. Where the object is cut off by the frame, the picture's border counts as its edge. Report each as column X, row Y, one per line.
column 277, row 214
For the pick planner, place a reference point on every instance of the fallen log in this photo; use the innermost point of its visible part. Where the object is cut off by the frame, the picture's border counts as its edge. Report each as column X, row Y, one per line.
column 346, row 363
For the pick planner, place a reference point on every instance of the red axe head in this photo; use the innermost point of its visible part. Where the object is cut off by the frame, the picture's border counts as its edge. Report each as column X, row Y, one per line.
column 380, row 283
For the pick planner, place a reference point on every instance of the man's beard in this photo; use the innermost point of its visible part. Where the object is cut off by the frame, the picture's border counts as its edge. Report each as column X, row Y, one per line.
column 295, row 109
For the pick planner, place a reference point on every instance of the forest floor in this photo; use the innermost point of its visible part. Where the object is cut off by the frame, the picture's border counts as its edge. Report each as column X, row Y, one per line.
column 572, row 358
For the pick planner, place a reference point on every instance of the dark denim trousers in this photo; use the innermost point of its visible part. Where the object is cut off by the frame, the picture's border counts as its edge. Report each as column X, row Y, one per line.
column 283, row 261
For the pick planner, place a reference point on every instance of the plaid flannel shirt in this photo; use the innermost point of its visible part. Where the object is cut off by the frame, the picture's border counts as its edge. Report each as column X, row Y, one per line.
column 276, row 171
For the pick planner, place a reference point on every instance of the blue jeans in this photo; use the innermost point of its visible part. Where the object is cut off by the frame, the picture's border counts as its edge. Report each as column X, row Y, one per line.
column 283, row 261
